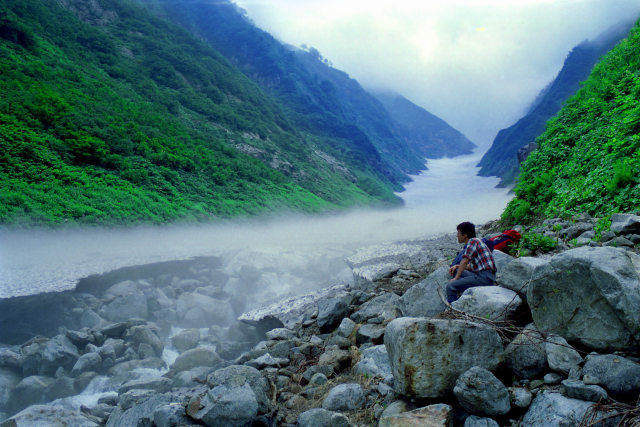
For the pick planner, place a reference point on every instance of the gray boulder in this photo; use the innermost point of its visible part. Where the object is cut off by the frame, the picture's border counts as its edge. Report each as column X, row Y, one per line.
column 428, row 355
column 560, row 355
column 319, row 417
column 50, row 416
column 331, row 312
column 346, row 327
column 186, row 339
column 590, row 296
column 139, row 409
column 236, row 375
column 580, row 390
column 281, row 334
column 197, row 311
column 8, row 380
column 233, row 405
column 160, row 385
column 575, row 230
column 619, row 376
column 525, row 355
column 59, row 351
column 489, row 302
column 386, row 306
column 199, row 356
column 517, row 274
column 344, row 397
column 473, row 421
column 369, row 333
column 30, row 391
column 87, row 363
column 520, row 397
column 438, row 415
column 267, row 361
column 551, row 409
column 170, row 415
column 501, row 259
column 625, row 224
column 480, row 392
column 422, row 299
column 374, row 362
column 10, row 359
column 127, row 303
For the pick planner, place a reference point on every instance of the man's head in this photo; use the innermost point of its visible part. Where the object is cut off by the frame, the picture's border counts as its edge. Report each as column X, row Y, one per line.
column 466, row 231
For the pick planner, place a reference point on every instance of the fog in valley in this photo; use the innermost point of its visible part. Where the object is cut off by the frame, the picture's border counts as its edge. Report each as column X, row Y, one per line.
column 304, row 252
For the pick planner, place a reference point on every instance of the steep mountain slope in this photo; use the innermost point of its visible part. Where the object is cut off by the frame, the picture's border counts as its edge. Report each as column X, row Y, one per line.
column 501, row 160
column 111, row 115
column 323, row 100
column 588, row 159
column 426, row 134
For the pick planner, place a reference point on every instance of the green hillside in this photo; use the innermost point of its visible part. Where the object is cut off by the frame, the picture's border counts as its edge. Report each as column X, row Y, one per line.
column 109, row 115
column 588, row 158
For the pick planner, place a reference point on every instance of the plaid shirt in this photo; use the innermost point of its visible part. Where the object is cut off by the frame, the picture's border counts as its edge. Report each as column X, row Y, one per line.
column 479, row 256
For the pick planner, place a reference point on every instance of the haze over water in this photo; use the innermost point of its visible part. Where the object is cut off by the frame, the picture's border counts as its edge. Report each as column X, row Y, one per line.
column 435, row 201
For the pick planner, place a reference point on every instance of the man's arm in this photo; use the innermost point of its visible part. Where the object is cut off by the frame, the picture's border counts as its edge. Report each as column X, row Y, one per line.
column 461, row 268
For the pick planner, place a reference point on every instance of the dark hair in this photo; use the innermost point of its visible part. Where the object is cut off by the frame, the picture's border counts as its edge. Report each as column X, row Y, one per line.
column 467, row 228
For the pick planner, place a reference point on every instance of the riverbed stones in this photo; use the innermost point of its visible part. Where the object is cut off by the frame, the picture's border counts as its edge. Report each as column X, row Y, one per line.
column 525, row 355
column 331, row 312
column 480, row 392
column 579, row 390
column 186, row 339
column 344, row 397
column 87, row 363
column 552, row 409
column 46, row 415
column 195, row 310
column 474, row 421
column 625, row 224
column 561, row 357
column 320, row 417
column 428, row 355
column 438, row 415
column 199, row 356
column 386, row 306
column 591, row 297
column 58, row 352
column 489, row 302
column 618, row 375
column 374, row 362
column 229, row 405
column 236, row 375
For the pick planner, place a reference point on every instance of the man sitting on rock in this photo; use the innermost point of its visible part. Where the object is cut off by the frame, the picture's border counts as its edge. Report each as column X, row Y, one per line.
column 477, row 267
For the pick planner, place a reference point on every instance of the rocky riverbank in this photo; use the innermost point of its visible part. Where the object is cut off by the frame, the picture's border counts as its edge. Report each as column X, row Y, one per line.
column 556, row 343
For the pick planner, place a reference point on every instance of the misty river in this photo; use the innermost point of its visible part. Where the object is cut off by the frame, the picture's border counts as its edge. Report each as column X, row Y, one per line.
column 38, row 261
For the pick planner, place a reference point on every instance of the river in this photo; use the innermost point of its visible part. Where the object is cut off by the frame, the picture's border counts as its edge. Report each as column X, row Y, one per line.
column 447, row 193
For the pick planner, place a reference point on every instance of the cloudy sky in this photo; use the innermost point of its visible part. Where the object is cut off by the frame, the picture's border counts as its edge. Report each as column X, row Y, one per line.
column 477, row 64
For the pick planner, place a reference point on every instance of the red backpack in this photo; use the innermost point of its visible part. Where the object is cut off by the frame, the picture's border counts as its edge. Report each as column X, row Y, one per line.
column 503, row 240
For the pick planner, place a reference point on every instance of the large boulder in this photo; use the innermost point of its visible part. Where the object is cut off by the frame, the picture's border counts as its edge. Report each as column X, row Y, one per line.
column 625, row 224
column 619, row 376
column 525, row 355
column 195, row 310
column 143, row 334
column 319, row 417
column 438, row 415
column 386, row 306
column 225, row 405
column 59, row 351
column 8, row 380
column 517, row 274
column 560, row 355
column 331, row 312
column 551, row 409
column 428, row 355
column 480, row 392
column 489, row 302
column 374, row 362
column 344, row 397
column 239, row 375
column 422, row 299
column 125, row 301
column 50, row 416
column 589, row 295
column 199, row 356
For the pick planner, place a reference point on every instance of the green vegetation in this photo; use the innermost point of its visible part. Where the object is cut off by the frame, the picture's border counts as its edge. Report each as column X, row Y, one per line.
column 109, row 115
column 588, row 158
column 534, row 242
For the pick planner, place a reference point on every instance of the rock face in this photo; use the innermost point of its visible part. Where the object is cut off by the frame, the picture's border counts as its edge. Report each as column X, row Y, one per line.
column 590, row 295
column 428, row 355
column 489, row 302
column 480, row 392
